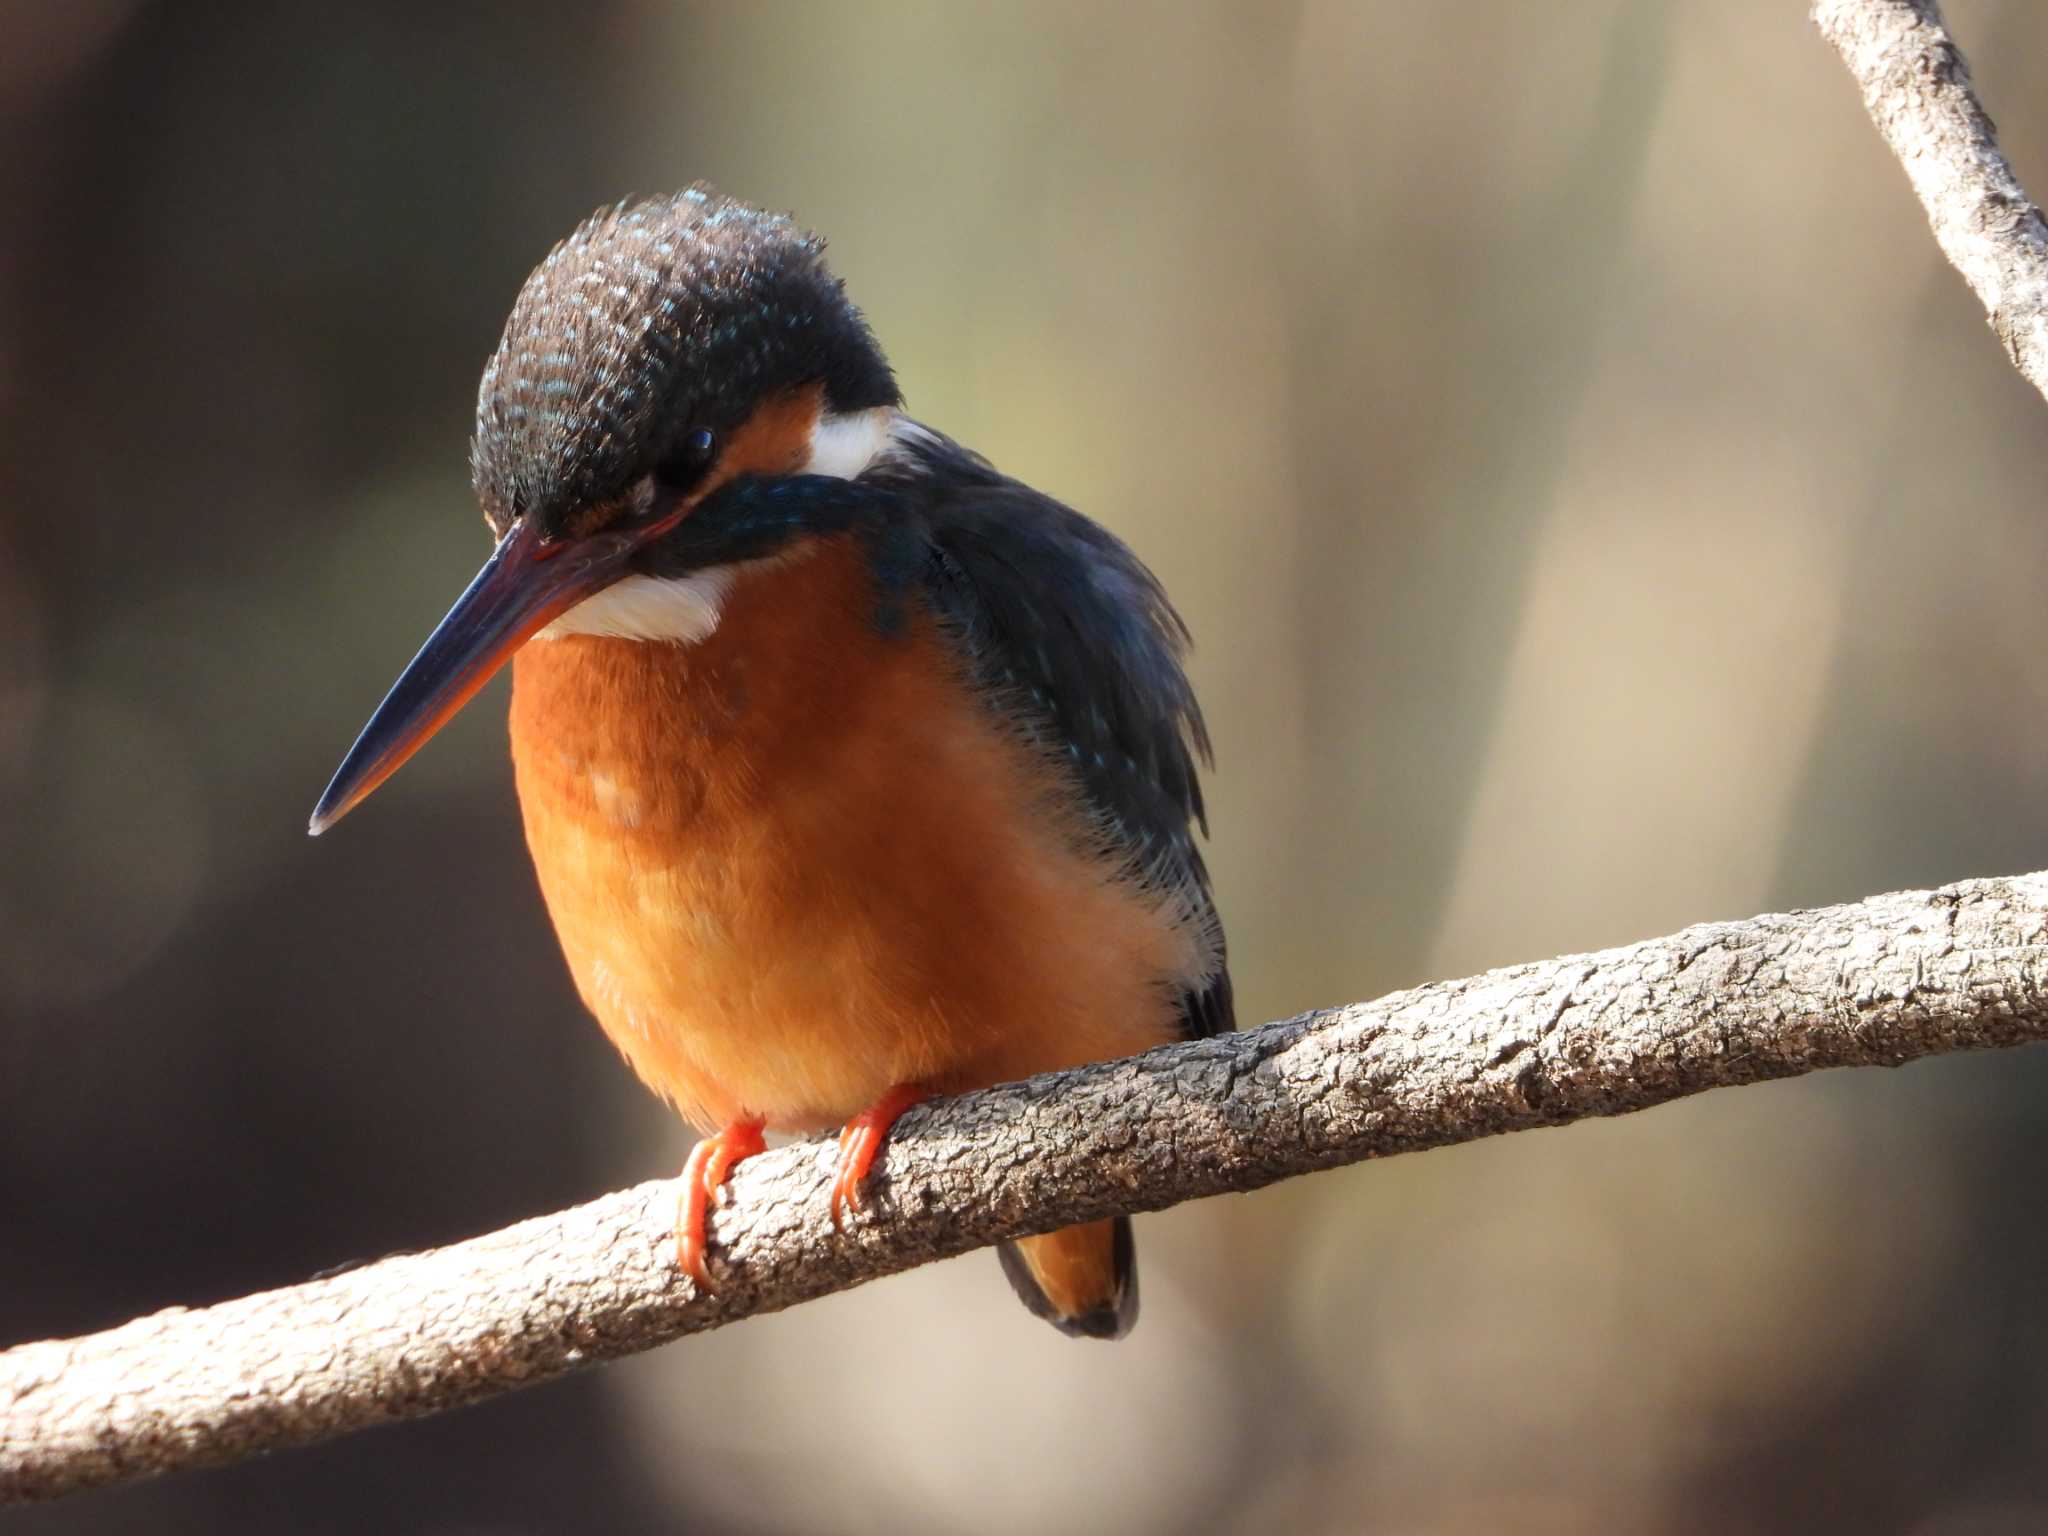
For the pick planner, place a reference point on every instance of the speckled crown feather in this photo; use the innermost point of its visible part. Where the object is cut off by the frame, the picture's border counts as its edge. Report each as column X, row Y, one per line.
column 653, row 319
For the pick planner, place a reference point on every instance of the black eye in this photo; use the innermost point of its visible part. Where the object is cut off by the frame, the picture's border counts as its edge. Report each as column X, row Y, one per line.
column 691, row 457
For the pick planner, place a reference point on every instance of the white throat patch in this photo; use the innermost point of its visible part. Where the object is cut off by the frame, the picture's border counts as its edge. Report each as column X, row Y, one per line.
column 683, row 610
column 679, row 609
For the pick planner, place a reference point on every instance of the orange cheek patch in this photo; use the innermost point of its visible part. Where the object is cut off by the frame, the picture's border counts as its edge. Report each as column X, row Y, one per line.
column 775, row 440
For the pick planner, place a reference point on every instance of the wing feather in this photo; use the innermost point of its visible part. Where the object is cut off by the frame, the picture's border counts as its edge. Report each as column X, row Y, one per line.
column 1076, row 640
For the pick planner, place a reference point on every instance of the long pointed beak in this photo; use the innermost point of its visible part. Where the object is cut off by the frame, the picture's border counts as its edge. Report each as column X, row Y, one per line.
column 523, row 586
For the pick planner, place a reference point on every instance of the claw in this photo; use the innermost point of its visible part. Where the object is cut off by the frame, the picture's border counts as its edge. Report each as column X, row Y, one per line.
column 862, row 1140
column 704, row 1176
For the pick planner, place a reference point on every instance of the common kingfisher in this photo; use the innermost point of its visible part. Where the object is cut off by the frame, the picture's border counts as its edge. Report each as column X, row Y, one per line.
column 854, row 771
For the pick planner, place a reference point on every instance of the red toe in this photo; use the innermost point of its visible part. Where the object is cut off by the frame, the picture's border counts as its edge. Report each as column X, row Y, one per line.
column 861, row 1142
column 704, row 1175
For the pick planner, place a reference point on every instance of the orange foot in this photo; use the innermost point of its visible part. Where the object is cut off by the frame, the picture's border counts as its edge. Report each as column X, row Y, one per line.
column 703, row 1184
column 863, row 1138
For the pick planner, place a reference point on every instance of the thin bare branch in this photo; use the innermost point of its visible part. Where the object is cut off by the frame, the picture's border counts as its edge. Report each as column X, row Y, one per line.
column 1917, row 88
column 1875, row 984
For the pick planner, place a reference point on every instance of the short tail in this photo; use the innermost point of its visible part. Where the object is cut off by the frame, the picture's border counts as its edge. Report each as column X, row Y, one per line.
column 1082, row 1280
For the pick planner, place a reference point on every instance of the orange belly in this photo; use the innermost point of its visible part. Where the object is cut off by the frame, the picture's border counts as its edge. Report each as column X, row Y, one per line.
column 800, row 862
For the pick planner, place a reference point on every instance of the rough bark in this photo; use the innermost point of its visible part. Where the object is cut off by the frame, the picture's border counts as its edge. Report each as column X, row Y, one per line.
column 1879, row 983
column 1917, row 89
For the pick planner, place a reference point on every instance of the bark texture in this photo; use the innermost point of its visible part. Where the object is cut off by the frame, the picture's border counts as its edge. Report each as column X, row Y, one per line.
column 1880, row 983
column 1917, row 89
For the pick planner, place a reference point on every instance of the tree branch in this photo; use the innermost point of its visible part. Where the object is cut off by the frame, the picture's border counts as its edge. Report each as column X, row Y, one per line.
column 1879, row 983
column 1917, row 89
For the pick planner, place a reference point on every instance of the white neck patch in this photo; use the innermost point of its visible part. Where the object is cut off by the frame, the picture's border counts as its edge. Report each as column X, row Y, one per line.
column 682, row 610
column 846, row 445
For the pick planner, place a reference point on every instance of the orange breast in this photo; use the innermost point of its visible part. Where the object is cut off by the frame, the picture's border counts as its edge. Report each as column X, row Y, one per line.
column 800, row 862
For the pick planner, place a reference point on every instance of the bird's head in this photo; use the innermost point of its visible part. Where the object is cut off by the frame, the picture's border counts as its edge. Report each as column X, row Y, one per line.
column 666, row 359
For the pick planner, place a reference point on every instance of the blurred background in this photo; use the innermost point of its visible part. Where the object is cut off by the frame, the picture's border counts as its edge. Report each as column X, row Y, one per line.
column 1598, row 509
